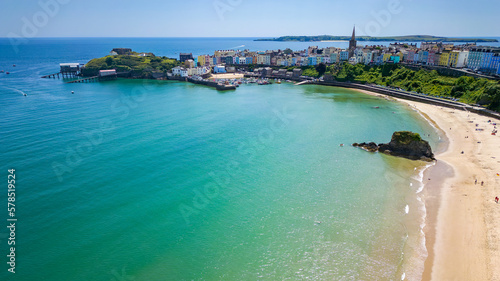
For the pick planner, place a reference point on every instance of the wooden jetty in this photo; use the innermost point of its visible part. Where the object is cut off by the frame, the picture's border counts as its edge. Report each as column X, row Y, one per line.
column 52, row 75
column 73, row 70
column 86, row 79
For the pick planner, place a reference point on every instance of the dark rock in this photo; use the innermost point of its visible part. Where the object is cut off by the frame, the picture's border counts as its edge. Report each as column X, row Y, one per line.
column 372, row 147
column 403, row 144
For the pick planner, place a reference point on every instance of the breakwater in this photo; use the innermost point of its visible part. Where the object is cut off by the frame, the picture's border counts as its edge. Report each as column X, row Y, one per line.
column 216, row 85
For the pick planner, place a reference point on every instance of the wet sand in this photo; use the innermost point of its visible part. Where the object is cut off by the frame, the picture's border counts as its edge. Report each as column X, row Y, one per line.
column 463, row 221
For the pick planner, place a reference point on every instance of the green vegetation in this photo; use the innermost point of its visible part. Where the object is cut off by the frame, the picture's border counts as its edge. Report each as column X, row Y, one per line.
column 310, row 71
column 139, row 66
column 321, row 69
column 405, row 137
column 408, row 38
column 467, row 89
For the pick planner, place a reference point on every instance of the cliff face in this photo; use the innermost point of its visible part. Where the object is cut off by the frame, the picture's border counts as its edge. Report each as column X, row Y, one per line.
column 403, row 144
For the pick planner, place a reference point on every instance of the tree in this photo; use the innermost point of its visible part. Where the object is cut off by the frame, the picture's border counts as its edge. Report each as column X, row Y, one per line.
column 321, row 69
column 109, row 61
column 153, row 60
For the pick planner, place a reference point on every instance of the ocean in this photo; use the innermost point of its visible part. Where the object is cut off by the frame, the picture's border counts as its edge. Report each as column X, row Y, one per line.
column 166, row 180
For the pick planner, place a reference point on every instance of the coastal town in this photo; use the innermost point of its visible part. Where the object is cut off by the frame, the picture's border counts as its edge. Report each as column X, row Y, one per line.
column 469, row 58
column 227, row 69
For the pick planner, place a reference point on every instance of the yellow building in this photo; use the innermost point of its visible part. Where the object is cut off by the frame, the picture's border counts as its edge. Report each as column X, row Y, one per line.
column 400, row 55
column 453, row 60
column 387, row 57
column 201, row 60
column 444, row 59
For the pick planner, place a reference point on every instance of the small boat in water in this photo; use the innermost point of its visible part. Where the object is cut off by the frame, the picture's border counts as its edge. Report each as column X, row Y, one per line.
column 7, row 72
column 2, row 71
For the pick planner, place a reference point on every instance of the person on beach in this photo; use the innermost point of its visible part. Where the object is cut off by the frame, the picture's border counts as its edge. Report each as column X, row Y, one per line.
column 496, row 199
column 482, row 182
column 475, row 182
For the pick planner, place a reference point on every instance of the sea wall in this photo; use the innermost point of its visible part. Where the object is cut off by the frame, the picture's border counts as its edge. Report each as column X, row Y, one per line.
column 413, row 97
column 219, row 87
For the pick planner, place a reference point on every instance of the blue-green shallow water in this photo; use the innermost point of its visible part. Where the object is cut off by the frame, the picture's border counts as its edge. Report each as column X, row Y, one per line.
column 172, row 181
column 157, row 180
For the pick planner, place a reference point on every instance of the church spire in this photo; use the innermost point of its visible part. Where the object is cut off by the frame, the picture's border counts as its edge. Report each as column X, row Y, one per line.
column 352, row 42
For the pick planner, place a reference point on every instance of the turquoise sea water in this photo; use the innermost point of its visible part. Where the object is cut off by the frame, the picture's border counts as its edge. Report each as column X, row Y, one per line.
column 161, row 180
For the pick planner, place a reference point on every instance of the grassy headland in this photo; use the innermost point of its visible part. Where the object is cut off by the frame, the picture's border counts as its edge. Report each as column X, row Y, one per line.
column 140, row 66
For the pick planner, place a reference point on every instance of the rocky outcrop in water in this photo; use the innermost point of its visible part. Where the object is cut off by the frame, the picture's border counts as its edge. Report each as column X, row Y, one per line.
column 403, row 144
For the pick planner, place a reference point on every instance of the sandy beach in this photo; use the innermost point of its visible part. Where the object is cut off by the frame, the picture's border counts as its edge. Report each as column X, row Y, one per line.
column 463, row 221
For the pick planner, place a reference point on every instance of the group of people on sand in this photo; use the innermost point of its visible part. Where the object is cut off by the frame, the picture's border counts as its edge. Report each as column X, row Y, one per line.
column 482, row 182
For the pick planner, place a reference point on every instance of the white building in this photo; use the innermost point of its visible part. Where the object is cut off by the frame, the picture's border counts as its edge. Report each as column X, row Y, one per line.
column 462, row 59
column 202, row 70
column 180, row 71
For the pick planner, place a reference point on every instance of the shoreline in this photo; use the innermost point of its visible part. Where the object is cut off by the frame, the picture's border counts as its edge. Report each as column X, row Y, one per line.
column 462, row 223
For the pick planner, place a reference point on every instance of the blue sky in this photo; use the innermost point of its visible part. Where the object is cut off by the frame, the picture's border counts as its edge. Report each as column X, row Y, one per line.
column 246, row 18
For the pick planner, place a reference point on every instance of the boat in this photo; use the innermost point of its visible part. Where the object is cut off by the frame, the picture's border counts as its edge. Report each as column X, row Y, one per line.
column 7, row 72
column 2, row 71
column 278, row 81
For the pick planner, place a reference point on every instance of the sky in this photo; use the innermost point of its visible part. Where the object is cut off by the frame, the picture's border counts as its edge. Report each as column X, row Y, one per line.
column 247, row 18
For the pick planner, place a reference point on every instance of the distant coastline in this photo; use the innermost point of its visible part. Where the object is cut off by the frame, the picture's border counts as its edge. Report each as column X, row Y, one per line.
column 407, row 38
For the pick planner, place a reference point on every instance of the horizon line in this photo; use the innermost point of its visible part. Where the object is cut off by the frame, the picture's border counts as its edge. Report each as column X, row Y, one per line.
column 42, row 37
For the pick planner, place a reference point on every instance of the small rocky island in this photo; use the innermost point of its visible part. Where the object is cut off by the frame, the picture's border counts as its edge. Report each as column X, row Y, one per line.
column 403, row 144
